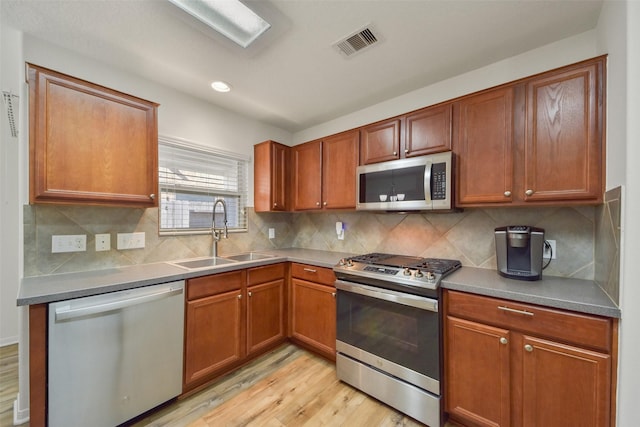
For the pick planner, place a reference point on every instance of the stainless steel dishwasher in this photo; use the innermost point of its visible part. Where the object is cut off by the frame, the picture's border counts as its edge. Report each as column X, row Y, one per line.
column 114, row 356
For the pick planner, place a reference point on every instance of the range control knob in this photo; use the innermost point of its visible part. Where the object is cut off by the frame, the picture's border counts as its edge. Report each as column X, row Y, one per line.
column 431, row 277
column 418, row 274
column 406, row 271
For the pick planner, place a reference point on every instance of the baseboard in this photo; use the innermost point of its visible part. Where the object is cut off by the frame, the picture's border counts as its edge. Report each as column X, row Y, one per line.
column 20, row 416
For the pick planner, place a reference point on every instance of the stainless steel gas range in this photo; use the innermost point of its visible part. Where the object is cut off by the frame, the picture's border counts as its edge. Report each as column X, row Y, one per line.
column 388, row 330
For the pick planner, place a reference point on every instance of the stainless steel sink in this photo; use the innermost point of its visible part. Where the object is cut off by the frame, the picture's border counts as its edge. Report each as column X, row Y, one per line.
column 204, row 262
column 249, row 256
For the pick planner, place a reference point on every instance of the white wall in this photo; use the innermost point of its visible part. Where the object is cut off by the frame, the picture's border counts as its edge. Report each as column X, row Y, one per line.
column 563, row 52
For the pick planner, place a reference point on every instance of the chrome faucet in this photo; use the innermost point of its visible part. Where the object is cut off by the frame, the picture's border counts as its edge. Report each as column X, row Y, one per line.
column 217, row 232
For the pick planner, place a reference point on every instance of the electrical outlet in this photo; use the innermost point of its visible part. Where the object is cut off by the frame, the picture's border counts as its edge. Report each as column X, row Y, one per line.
column 103, row 242
column 130, row 240
column 272, row 233
column 546, row 253
column 69, row 243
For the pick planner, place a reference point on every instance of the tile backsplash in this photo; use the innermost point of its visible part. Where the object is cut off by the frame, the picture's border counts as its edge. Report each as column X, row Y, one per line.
column 467, row 236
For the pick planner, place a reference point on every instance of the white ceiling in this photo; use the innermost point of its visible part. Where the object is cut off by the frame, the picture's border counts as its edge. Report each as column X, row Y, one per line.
column 293, row 78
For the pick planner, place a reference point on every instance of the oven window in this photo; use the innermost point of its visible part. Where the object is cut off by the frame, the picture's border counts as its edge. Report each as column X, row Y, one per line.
column 404, row 335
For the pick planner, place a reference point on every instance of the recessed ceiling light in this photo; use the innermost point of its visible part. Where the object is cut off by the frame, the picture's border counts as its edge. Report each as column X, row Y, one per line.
column 221, row 86
column 231, row 18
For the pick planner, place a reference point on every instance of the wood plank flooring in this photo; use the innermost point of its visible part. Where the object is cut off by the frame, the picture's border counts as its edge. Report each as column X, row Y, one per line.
column 286, row 387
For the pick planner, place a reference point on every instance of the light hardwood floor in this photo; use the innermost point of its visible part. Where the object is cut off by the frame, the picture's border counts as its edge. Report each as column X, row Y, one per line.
column 286, row 387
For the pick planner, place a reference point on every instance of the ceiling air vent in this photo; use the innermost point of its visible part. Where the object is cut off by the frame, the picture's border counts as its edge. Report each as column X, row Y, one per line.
column 356, row 42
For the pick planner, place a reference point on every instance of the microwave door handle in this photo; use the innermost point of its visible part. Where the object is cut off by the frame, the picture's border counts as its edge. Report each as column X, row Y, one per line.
column 427, row 182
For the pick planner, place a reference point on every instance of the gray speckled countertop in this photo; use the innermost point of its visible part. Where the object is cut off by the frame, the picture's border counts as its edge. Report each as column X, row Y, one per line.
column 584, row 296
column 570, row 294
column 60, row 287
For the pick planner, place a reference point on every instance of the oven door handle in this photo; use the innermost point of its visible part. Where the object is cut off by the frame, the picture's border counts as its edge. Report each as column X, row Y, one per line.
column 388, row 295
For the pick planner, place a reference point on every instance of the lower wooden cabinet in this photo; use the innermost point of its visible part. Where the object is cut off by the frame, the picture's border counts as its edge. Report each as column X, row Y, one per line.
column 231, row 317
column 513, row 364
column 313, row 309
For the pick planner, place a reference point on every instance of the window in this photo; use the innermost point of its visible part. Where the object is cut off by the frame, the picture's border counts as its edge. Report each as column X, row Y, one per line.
column 192, row 178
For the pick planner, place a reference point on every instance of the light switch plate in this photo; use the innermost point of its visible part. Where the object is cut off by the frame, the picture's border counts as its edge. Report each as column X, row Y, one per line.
column 69, row 243
column 131, row 240
column 272, row 233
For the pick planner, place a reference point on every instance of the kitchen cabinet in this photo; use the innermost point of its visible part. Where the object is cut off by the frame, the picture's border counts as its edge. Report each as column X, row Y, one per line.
column 313, row 309
column 483, row 148
column 214, row 326
column 325, row 172
column 421, row 132
column 515, row 364
column 271, row 177
column 89, row 144
column 231, row 317
column 265, row 307
column 537, row 141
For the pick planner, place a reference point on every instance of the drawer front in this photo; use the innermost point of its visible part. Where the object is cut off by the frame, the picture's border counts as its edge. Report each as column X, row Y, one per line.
column 580, row 329
column 200, row 287
column 312, row 273
column 267, row 273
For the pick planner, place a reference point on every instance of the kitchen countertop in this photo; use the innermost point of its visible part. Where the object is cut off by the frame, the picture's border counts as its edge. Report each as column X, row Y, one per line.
column 60, row 287
column 570, row 294
column 584, row 296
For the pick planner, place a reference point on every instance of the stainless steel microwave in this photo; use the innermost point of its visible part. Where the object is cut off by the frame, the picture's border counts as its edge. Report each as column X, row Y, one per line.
column 414, row 184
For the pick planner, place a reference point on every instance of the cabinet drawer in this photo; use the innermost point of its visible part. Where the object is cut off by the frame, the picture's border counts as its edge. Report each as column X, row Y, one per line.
column 204, row 286
column 581, row 329
column 313, row 273
column 267, row 273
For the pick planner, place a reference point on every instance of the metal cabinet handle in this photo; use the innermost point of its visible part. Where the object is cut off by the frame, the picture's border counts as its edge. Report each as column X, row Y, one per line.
column 240, row 296
column 325, row 203
column 317, row 203
column 249, row 293
column 503, row 340
column 333, row 294
column 310, row 270
column 529, row 192
column 152, row 196
column 507, row 194
column 275, row 205
column 513, row 310
column 406, row 151
column 395, row 153
column 528, row 347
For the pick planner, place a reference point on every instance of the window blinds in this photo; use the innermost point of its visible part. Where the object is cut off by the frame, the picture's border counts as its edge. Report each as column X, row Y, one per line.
column 192, row 177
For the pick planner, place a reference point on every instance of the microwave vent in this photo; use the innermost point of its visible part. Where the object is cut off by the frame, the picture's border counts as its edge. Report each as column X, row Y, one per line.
column 356, row 42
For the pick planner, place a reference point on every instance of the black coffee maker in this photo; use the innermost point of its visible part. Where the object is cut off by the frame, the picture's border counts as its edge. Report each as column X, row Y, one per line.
column 519, row 251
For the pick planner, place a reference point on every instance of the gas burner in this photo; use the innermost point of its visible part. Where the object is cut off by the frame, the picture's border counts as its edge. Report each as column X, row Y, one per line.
column 437, row 265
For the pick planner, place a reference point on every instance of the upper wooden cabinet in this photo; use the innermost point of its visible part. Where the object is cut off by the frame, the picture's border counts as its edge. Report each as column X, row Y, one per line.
column 325, row 172
column 428, row 131
column 380, row 142
column 484, row 148
column 271, row 176
column 89, row 144
column 539, row 140
column 563, row 143
column 418, row 133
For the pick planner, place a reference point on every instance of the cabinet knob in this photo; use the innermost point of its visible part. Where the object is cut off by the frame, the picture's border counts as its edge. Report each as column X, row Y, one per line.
column 503, row 340
column 529, row 192
column 324, row 204
column 395, row 153
column 152, row 196
column 249, row 293
column 333, row 294
column 406, row 151
column 507, row 194
column 528, row 347
column 240, row 296
column 275, row 205
column 317, row 203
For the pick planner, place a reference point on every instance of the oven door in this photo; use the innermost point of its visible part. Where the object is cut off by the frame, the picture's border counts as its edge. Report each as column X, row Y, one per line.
column 391, row 331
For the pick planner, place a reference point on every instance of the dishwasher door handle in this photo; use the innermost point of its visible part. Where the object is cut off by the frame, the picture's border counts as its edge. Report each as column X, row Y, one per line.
column 66, row 313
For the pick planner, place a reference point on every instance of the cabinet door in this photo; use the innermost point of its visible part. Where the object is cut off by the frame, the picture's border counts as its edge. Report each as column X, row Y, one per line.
column 380, row 142
column 339, row 163
column 564, row 139
column 213, row 335
column 265, row 315
column 484, row 148
column 313, row 316
column 89, row 144
column 477, row 373
column 307, row 176
column 428, row 131
column 564, row 385
column 271, row 176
